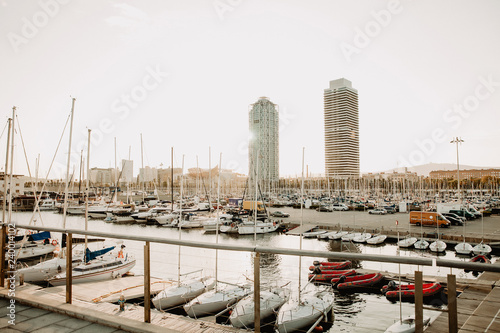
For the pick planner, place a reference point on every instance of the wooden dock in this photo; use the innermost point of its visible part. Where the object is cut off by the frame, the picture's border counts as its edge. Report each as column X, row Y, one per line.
column 85, row 301
column 301, row 229
column 478, row 307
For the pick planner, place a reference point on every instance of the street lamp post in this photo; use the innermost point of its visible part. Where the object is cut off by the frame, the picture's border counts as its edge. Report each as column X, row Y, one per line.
column 457, row 140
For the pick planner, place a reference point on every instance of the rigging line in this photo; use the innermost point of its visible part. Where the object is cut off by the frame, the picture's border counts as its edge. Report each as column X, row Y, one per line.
column 48, row 172
column 27, row 163
column 4, row 129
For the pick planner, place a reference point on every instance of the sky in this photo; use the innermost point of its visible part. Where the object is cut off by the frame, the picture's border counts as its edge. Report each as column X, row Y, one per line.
column 183, row 74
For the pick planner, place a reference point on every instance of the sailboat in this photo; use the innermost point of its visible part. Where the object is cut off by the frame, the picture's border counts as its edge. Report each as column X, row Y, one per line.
column 243, row 313
column 421, row 244
column 406, row 325
column 438, row 245
column 185, row 291
column 310, row 307
column 481, row 248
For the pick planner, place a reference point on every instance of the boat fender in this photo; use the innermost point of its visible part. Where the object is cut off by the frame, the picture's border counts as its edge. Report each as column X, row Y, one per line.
column 318, row 328
column 232, row 225
column 54, row 242
column 59, row 269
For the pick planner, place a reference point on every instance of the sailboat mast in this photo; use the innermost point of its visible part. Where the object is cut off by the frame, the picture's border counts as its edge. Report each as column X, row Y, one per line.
column 172, row 177
column 217, row 222
column 209, row 178
column 301, row 215
column 4, row 203
column 179, row 225
column 255, row 206
column 143, row 171
column 87, row 187
column 11, row 161
column 65, row 204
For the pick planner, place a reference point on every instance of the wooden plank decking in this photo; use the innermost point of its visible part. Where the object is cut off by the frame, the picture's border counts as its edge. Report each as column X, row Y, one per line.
column 301, row 229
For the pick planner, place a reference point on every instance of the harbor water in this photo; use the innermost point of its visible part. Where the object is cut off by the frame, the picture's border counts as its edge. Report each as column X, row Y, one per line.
column 355, row 312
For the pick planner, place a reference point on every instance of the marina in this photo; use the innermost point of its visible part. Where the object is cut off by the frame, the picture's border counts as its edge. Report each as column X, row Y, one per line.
column 353, row 311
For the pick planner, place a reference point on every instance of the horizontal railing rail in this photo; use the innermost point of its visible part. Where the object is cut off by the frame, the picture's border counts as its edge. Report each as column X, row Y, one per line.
column 277, row 250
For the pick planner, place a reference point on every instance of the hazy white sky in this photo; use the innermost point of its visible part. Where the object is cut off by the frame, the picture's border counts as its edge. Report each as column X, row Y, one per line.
column 183, row 74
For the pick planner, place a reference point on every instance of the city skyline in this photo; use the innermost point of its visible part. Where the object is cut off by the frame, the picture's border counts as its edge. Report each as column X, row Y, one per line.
column 182, row 74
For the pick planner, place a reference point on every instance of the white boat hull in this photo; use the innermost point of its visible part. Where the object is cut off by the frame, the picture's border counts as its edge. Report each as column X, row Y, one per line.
column 261, row 228
column 463, row 248
column 45, row 270
column 338, row 235
column 362, row 238
column 177, row 295
column 421, row 244
column 243, row 313
column 437, row 246
column 214, row 301
column 376, row 240
column 482, row 249
column 293, row 316
column 98, row 275
column 407, row 242
column 33, row 250
column 407, row 325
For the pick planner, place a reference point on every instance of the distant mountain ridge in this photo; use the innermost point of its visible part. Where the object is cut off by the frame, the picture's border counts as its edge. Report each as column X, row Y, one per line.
column 425, row 169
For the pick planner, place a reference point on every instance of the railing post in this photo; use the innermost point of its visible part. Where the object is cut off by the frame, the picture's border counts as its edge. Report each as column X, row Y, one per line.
column 2, row 256
column 256, row 291
column 419, row 302
column 452, row 304
column 147, row 285
column 69, row 268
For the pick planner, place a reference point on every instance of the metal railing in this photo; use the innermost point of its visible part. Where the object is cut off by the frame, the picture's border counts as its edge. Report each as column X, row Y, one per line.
column 452, row 308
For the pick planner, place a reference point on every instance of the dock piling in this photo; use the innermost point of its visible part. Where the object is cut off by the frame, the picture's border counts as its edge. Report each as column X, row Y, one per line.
column 419, row 302
column 69, row 268
column 452, row 304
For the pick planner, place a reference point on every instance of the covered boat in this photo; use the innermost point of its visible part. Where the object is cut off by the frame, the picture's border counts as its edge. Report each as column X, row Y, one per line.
column 357, row 281
column 392, row 290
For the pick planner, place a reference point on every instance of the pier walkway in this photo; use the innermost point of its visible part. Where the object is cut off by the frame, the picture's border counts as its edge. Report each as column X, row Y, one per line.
column 478, row 307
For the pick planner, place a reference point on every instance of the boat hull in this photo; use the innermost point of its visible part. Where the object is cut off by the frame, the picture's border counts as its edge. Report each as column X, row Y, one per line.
column 95, row 276
column 243, row 313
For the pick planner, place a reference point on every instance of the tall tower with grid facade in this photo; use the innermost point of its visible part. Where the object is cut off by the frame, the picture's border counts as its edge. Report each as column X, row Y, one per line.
column 263, row 148
column 341, row 130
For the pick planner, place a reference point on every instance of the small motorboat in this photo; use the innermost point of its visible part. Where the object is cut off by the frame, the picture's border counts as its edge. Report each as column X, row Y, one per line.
column 437, row 246
column 327, row 276
column 406, row 325
column 330, row 265
column 376, row 240
column 421, row 244
column 392, row 290
column 362, row 237
column 407, row 242
column 357, row 281
column 313, row 233
column 463, row 248
column 337, row 235
column 326, row 235
column 481, row 248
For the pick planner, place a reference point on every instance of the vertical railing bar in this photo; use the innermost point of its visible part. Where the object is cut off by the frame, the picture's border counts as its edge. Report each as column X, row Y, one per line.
column 256, row 292
column 452, row 304
column 419, row 302
column 147, row 284
column 2, row 256
column 69, row 268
